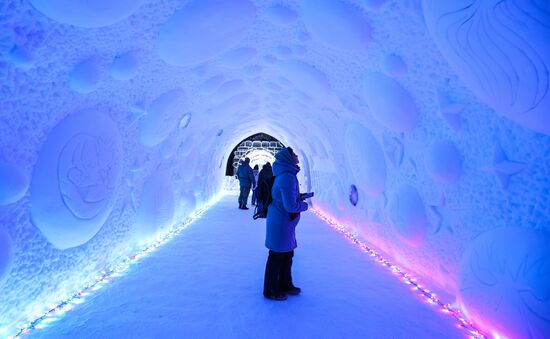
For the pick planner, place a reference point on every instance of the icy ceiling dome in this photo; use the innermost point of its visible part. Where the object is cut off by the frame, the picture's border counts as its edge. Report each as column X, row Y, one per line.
column 86, row 13
column 204, row 29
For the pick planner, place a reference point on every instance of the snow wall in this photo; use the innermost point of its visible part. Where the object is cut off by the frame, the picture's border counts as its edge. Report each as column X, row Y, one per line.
column 422, row 125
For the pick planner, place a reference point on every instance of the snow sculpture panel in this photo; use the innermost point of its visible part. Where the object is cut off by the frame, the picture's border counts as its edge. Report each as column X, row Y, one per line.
column 408, row 216
column 204, row 29
column 86, row 13
column 389, row 102
column 504, row 278
column 13, row 183
column 156, row 210
column 74, row 180
column 162, row 117
column 365, row 159
column 500, row 50
column 337, row 24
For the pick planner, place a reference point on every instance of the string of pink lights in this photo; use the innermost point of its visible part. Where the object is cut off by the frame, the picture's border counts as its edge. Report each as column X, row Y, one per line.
column 408, row 279
column 54, row 312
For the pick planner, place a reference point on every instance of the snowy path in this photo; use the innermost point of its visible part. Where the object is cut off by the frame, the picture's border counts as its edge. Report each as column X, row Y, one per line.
column 207, row 283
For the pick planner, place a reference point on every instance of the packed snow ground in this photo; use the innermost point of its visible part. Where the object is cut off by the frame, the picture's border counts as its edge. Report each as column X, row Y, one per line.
column 207, row 283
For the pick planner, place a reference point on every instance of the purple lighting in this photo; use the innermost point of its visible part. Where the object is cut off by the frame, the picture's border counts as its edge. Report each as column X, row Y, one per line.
column 427, row 296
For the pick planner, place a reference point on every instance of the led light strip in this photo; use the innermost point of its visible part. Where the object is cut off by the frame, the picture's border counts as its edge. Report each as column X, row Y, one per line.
column 56, row 311
column 431, row 298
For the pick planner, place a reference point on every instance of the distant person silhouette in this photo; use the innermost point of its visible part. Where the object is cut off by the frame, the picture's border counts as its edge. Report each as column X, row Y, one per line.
column 282, row 217
column 255, row 187
column 246, row 181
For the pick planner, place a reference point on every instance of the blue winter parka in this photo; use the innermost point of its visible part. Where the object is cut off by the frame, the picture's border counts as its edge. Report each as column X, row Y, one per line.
column 280, row 229
column 245, row 175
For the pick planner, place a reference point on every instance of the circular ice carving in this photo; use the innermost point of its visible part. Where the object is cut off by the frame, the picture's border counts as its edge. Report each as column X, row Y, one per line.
column 85, row 77
column 85, row 13
column 5, row 253
column 280, row 14
column 185, row 120
column 393, row 65
column 390, row 104
column 209, row 28
column 74, row 179
column 162, row 117
column 504, row 282
column 304, row 76
column 443, row 162
column 365, row 159
column 13, row 183
column 156, row 209
column 337, row 24
column 408, row 216
column 500, row 50
column 353, row 195
column 125, row 66
column 238, row 57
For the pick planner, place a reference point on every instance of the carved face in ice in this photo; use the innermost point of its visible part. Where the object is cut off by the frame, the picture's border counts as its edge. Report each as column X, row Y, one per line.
column 85, row 171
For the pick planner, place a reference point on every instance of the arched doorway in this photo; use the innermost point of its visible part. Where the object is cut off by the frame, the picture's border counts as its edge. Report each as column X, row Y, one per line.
column 260, row 148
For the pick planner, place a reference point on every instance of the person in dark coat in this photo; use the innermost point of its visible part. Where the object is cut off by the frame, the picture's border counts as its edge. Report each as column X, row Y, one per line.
column 246, row 181
column 282, row 217
column 255, row 187
column 265, row 173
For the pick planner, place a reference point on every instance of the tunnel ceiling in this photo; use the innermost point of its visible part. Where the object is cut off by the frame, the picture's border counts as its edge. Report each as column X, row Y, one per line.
column 422, row 125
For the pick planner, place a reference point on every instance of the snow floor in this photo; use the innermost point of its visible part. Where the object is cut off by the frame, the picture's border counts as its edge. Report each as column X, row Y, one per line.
column 207, row 283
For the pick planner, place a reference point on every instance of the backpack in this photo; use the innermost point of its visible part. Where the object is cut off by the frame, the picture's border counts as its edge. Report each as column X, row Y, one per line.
column 263, row 198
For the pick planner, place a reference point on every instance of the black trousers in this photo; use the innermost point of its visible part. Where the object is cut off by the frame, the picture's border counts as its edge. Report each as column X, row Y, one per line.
column 278, row 273
column 243, row 196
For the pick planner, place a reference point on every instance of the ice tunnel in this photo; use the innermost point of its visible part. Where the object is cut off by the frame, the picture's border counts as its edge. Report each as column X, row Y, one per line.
column 423, row 126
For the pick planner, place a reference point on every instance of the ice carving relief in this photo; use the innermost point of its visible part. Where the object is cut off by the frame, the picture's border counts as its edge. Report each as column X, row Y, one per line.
column 503, row 282
column 500, row 50
column 365, row 159
column 74, row 179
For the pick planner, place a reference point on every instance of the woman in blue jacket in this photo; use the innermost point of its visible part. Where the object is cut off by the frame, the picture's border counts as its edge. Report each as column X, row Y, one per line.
column 282, row 217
